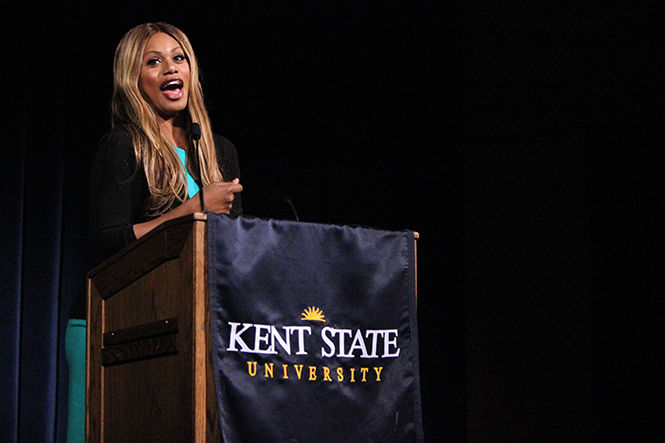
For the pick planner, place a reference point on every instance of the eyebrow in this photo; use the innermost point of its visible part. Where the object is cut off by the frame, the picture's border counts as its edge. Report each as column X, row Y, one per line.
column 177, row 48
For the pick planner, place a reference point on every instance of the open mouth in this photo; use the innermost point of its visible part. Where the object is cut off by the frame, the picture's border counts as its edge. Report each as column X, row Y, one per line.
column 172, row 88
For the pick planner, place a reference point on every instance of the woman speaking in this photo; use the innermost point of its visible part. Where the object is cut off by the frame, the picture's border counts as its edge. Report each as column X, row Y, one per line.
column 145, row 170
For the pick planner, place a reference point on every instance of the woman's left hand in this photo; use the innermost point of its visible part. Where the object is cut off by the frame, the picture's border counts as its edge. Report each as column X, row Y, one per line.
column 218, row 197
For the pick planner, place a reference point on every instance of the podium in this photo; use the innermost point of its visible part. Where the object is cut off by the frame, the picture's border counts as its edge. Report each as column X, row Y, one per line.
column 148, row 375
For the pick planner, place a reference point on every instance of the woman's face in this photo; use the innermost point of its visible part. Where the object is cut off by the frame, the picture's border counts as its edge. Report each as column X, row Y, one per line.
column 164, row 77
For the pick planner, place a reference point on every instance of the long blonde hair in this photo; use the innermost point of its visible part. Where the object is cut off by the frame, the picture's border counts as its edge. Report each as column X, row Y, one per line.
column 131, row 110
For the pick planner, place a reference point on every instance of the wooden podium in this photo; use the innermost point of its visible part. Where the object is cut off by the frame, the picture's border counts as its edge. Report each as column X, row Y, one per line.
column 149, row 377
column 148, row 373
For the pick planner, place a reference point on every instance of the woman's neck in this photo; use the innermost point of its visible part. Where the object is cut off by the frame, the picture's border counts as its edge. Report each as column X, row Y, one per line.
column 174, row 131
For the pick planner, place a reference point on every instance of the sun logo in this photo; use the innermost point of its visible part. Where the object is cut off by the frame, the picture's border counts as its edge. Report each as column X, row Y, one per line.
column 313, row 313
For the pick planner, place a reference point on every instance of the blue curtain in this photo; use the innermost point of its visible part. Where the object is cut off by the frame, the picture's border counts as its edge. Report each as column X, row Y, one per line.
column 42, row 235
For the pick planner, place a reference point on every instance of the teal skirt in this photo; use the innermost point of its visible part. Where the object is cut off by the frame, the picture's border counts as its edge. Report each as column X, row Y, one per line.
column 75, row 352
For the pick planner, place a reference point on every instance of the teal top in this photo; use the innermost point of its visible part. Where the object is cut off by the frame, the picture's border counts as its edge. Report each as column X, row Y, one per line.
column 192, row 187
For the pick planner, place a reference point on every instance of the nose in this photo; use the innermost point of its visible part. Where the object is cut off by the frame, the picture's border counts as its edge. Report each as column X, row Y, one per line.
column 170, row 67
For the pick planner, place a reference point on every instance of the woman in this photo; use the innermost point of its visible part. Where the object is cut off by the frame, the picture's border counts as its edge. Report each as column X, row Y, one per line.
column 142, row 174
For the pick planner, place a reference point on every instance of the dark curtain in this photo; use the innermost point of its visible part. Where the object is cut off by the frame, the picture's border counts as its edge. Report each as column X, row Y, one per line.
column 43, row 231
column 510, row 137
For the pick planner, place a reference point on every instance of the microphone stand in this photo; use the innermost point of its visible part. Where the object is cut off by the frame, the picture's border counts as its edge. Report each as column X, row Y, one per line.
column 196, row 135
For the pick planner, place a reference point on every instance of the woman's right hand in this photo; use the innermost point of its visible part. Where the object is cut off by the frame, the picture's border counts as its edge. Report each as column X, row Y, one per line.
column 218, row 197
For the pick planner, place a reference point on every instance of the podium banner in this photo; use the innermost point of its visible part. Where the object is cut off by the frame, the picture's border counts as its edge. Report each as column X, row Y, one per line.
column 314, row 334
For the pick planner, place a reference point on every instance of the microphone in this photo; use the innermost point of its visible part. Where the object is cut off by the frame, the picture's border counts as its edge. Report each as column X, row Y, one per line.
column 195, row 132
column 288, row 200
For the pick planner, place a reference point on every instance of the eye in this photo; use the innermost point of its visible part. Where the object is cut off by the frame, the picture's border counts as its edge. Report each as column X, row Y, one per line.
column 152, row 61
column 180, row 58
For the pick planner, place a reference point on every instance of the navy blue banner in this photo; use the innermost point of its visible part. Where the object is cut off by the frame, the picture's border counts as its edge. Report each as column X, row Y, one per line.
column 314, row 334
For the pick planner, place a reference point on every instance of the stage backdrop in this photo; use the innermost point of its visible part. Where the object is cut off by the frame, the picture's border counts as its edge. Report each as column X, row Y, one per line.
column 314, row 331
column 43, row 232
